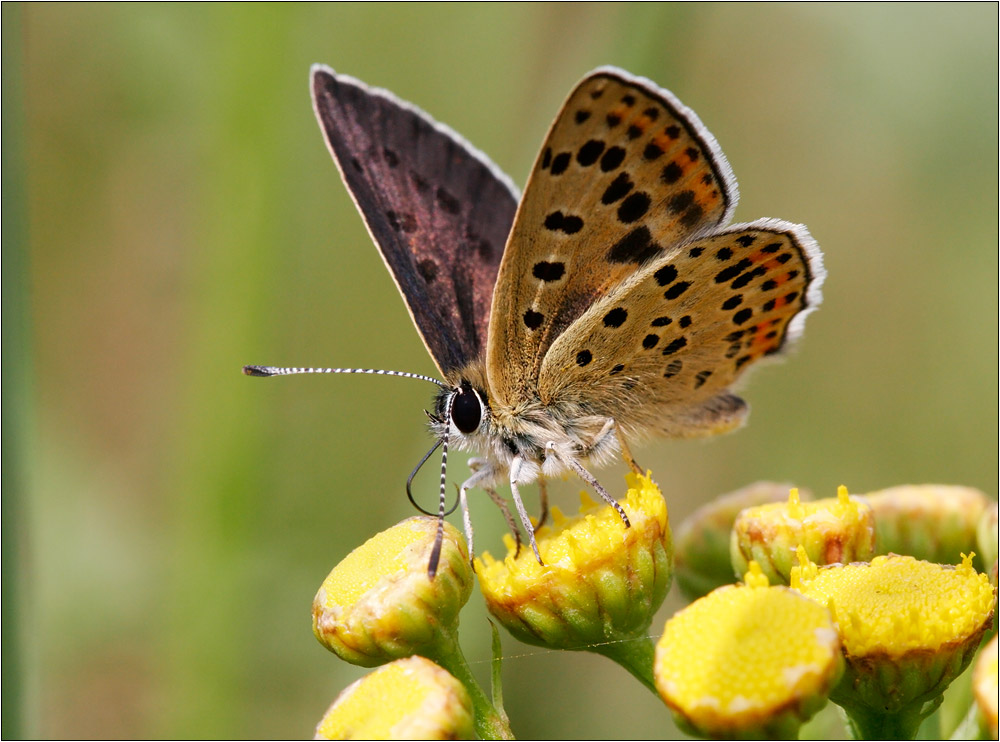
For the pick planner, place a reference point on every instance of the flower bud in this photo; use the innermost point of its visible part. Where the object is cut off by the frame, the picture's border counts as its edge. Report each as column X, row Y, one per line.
column 599, row 580
column 908, row 629
column 378, row 604
column 748, row 661
column 427, row 703
column 986, row 537
column 701, row 546
column 933, row 522
column 831, row 530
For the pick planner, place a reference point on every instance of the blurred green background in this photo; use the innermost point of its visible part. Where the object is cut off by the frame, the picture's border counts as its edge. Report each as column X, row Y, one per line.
column 170, row 213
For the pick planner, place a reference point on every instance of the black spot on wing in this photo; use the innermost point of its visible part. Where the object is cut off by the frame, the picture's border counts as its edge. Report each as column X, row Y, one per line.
column 566, row 223
column 612, row 158
column 635, row 247
column 587, row 154
column 559, row 163
column 533, row 320
column 634, row 207
column 616, row 317
column 428, row 269
column 618, row 189
column 447, row 201
column 545, row 271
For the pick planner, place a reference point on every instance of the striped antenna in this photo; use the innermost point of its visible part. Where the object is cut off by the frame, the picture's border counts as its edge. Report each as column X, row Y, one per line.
column 443, row 442
column 442, row 498
column 281, row 371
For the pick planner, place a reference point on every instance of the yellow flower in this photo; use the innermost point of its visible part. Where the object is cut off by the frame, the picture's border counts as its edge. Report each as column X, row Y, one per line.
column 832, row 530
column 378, row 604
column 934, row 522
column 427, row 703
column 701, row 546
column 600, row 583
column 748, row 661
column 908, row 628
column 984, row 683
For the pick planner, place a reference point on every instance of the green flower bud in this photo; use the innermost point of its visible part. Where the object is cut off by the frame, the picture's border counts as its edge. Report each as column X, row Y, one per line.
column 986, row 536
column 378, row 604
column 701, row 546
column 832, row 530
column 427, row 703
column 934, row 522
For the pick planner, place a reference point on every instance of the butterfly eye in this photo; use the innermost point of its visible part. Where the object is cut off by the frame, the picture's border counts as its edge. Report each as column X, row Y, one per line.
column 466, row 409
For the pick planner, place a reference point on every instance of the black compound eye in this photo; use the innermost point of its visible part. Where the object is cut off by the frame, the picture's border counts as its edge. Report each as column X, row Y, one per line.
column 466, row 409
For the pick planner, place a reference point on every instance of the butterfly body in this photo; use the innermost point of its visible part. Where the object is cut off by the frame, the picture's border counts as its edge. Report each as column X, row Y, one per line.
column 544, row 435
column 609, row 303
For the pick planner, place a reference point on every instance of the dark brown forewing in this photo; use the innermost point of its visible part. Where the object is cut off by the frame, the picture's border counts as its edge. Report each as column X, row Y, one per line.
column 437, row 208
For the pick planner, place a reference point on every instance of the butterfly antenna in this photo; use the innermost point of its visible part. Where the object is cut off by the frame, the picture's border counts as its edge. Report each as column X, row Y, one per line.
column 442, row 497
column 282, row 371
column 409, row 482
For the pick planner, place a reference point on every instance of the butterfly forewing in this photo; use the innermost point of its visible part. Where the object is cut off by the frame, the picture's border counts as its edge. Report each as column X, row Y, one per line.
column 683, row 328
column 625, row 174
column 438, row 210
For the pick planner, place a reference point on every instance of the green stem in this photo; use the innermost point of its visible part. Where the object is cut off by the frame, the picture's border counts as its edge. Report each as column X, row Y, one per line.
column 868, row 723
column 490, row 723
column 635, row 655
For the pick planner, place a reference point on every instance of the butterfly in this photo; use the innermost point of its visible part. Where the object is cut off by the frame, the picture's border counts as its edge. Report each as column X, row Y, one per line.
column 609, row 303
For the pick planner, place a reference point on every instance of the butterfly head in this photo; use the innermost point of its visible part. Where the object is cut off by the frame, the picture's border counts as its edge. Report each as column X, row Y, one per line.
column 462, row 411
column 469, row 408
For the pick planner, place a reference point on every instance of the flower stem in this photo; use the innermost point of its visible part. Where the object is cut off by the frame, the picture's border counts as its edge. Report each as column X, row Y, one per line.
column 865, row 722
column 490, row 722
column 635, row 655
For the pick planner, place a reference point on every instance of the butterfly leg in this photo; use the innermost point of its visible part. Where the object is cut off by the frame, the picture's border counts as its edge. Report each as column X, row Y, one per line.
column 478, row 476
column 515, row 471
column 511, row 523
column 543, row 496
column 626, row 451
column 590, row 479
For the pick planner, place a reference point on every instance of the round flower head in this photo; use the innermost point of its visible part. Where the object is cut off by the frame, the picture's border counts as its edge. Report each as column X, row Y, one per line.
column 701, row 546
column 427, row 703
column 600, row 583
column 908, row 629
column 378, row 604
column 748, row 661
column 935, row 522
column 839, row 529
column 984, row 683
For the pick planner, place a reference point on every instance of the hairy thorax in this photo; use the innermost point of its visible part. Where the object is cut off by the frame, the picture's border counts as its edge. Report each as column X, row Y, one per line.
column 546, row 436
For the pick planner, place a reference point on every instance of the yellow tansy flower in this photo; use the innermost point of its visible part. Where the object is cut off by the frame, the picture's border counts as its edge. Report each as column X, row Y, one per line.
column 600, row 583
column 908, row 628
column 832, row 530
column 378, row 604
column 748, row 661
column 427, row 703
